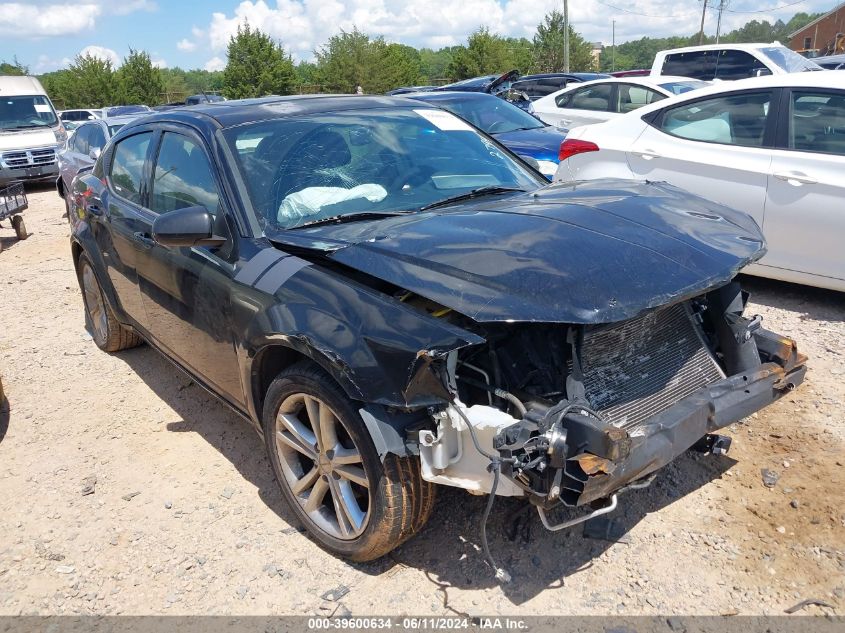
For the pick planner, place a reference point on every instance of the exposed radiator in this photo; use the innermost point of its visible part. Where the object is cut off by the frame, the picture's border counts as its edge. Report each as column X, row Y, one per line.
column 638, row 368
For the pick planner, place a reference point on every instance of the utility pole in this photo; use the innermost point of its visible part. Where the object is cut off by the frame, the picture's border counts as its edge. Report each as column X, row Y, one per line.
column 701, row 29
column 722, row 4
column 613, row 50
column 566, row 36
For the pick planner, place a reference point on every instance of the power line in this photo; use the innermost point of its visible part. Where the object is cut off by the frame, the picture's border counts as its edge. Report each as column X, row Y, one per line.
column 770, row 10
column 649, row 15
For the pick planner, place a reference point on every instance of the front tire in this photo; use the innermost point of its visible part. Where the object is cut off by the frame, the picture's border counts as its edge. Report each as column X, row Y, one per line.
column 350, row 502
column 105, row 329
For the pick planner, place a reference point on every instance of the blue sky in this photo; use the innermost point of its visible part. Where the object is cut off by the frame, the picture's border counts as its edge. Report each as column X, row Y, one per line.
column 47, row 34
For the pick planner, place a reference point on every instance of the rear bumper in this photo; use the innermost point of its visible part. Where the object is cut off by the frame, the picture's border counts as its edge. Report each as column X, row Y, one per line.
column 662, row 438
column 29, row 174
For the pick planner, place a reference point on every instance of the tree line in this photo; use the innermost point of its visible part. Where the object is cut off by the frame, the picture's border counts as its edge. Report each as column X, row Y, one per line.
column 259, row 65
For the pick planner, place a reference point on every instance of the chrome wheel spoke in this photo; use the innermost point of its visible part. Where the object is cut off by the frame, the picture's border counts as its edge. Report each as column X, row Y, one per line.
column 346, row 456
column 306, row 481
column 316, row 496
column 296, row 435
column 348, row 504
column 327, row 432
column 312, row 408
column 340, row 510
column 354, row 474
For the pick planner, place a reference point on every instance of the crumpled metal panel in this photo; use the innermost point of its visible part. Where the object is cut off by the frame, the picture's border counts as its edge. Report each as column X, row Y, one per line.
column 594, row 252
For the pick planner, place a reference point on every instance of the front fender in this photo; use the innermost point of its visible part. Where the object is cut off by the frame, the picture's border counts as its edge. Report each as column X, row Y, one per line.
column 373, row 345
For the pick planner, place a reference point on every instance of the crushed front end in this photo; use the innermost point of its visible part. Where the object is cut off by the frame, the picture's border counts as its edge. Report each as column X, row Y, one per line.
column 576, row 413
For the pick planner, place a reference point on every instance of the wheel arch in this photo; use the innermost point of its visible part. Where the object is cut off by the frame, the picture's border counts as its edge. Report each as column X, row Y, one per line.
column 277, row 355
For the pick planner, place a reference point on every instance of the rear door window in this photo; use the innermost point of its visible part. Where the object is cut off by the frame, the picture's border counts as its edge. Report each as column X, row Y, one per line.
column 596, row 98
column 817, row 122
column 631, row 96
column 182, row 176
column 738, row 119
column 127, row 167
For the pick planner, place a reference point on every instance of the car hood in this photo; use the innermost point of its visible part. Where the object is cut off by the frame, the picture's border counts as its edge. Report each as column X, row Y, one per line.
column 27, row 138
column 591, row 252
column 542, row 143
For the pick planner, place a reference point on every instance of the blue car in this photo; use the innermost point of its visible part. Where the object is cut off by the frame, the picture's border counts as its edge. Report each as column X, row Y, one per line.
column 514, row 128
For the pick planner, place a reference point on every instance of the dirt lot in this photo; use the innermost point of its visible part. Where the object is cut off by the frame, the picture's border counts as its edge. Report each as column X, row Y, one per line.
column 185, row 516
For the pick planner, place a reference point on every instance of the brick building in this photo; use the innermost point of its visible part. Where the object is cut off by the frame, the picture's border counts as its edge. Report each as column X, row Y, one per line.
column 821, row 34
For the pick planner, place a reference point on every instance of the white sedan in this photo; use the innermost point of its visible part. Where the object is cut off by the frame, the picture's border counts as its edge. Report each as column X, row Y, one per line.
column 773, row 147
column 606, row 99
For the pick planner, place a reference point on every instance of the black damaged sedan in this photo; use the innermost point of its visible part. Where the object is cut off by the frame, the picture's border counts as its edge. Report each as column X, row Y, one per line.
column 396, row 302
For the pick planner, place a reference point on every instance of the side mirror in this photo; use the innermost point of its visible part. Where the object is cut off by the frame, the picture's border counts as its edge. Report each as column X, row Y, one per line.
column 94, row 152
column 191, row 226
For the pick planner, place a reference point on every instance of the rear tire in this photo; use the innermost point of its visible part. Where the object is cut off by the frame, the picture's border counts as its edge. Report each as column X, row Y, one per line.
column 108, row 333
column 362, row 507
column 20, row 227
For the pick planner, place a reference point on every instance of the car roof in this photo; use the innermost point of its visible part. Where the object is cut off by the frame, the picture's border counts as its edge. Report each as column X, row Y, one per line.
column 449, row 95
column 653, row 81
column 811, row 79
column 239, row 111
column 566, row 75
column 123, row 118
column 718, row 47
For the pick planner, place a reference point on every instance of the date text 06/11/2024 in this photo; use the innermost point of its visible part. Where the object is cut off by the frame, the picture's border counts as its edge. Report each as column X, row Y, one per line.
column 419, row 623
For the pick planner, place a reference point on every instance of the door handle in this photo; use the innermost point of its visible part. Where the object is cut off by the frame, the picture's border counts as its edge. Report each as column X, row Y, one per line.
column 647, row 154
column 94, row 209
column 144, row 239
column 795, row 178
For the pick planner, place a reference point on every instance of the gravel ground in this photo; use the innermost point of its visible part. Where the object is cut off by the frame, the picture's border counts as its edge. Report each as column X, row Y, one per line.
column 124, row 488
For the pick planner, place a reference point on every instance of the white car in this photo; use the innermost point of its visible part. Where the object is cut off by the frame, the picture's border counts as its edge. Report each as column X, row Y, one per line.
column 727, row 62
column 606, row 99
column 772, row 146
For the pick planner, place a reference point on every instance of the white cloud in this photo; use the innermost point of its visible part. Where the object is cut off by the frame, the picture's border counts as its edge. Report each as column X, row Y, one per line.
column 159, row 63
column 51, row 18
column 304, row 25
column 186, row 45
column 31, row 20
column 215, row 63
column 101, row 52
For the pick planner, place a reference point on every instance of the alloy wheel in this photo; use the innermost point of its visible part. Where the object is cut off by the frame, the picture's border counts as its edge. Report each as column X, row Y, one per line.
column 322, row 466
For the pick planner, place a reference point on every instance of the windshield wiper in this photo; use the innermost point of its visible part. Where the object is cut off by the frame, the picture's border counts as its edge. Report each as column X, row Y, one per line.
column 350, row 217
column 489, row 190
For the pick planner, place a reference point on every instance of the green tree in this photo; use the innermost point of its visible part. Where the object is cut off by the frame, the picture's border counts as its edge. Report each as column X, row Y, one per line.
column 520, row 55
column 549, row 46
column 256, row 66
column 90, row 83
column 485, row 53
column 139, row 81
column 433, row 64
column 13, row 68
column 399, row 65
column 345, row 62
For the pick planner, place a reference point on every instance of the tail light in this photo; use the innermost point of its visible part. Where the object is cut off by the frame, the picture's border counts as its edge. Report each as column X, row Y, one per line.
column 570, row 147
